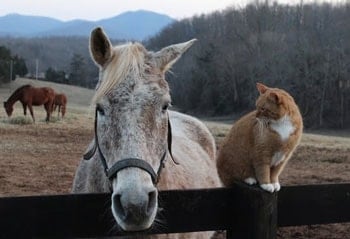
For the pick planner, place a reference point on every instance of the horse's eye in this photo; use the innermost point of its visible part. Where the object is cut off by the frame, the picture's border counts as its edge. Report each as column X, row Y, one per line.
column 100, row 110
column 166, row 106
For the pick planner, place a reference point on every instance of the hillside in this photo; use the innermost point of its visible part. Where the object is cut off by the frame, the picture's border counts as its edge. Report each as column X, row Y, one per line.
column 303, row 50
column 78, row 97
column 136, row 25
column 12, row 25
column 41, row 158
column 49, row 43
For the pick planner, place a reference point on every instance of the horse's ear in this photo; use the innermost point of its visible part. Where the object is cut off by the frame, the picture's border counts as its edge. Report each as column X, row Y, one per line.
column 100, row 46
column 167, row 56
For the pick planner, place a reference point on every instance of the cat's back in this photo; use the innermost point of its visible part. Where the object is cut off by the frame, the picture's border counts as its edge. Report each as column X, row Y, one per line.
column 241, row 130
column 240, row 139
column 236, row 151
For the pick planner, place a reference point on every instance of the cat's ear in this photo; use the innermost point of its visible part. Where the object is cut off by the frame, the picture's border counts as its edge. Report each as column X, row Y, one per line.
column 261, row 88
column 275, row 97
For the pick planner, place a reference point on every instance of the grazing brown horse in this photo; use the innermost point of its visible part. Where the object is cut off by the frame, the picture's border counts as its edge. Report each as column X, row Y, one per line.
column 29, row 96
column 60, row 101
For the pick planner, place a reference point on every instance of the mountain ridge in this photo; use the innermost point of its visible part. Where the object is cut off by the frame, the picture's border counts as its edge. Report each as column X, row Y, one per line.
column 135, row 25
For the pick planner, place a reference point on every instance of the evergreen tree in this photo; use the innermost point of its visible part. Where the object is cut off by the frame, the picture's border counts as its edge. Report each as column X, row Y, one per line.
column 78, row 73
column 5, row 64
column 55, row 76
column 19, row 66
column 10, row 66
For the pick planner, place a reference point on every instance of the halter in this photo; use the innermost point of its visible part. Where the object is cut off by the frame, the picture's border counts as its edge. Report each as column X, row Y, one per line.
column 130, row 162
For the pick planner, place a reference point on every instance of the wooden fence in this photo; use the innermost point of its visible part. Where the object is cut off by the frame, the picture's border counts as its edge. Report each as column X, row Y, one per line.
column 243, row 211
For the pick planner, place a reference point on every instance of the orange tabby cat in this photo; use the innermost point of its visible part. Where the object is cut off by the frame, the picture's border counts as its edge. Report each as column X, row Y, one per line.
column 260, row 143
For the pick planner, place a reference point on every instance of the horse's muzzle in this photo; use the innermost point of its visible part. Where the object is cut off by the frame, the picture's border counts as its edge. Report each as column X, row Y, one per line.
column 135, row 210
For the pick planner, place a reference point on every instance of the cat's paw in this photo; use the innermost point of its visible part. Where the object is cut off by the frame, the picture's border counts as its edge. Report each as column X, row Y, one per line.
column 250, row 181
column 277, row 186
column 268, row 187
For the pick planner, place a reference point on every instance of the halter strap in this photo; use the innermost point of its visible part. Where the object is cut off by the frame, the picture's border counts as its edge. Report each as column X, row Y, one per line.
column 137, row 163
column 129, row 162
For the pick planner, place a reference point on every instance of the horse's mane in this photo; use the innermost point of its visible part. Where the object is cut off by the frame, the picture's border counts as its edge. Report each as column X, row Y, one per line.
column 22, row 87
column 18, row 90
column 126, row 59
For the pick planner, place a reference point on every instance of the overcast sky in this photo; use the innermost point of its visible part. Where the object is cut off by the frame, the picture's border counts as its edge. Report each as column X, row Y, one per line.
column 100, row 9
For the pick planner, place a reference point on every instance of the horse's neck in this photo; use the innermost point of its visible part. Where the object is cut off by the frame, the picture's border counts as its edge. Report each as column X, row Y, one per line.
column 14, row 97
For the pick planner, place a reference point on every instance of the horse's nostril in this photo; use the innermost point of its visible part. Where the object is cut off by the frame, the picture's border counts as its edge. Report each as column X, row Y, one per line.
column 132, row 207
column 118, row 206
column 152, row 201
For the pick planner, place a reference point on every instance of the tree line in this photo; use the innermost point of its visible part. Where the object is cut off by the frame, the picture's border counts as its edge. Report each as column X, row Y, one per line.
column 58, row 59
column 304, row 49
column 78, row 72
column 10, row 65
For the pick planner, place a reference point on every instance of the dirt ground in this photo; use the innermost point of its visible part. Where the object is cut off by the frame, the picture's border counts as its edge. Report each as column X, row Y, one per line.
column 41, row 159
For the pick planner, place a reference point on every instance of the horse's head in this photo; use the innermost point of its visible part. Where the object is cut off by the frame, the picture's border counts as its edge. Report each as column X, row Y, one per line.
column 132, row 134
column 8, row 108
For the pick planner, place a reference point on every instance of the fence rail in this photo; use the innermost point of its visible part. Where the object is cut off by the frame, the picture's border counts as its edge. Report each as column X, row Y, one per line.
column 243, row 211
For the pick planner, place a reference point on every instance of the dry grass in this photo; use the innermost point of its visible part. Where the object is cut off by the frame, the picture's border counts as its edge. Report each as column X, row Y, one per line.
column 77, row 96
column 78, row 102
column 41, row 158
column 334, row 139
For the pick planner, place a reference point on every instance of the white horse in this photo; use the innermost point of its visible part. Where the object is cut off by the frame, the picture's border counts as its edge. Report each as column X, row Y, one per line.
column 140, row 146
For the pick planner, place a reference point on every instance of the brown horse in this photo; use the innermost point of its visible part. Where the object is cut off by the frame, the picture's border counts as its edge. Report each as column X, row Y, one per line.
column 29, row 96
column 60, row 101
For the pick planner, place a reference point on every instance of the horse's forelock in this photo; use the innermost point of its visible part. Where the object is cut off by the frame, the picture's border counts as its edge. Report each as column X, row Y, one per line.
column 128, row 59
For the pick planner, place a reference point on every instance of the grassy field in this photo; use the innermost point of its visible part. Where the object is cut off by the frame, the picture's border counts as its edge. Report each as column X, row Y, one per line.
column 41, row 158
column 78, row 97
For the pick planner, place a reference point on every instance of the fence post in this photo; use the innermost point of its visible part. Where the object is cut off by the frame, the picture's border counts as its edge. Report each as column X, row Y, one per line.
column 256, row 216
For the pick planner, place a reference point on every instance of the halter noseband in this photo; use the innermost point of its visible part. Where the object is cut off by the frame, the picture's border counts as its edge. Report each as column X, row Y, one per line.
column 129, row 162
